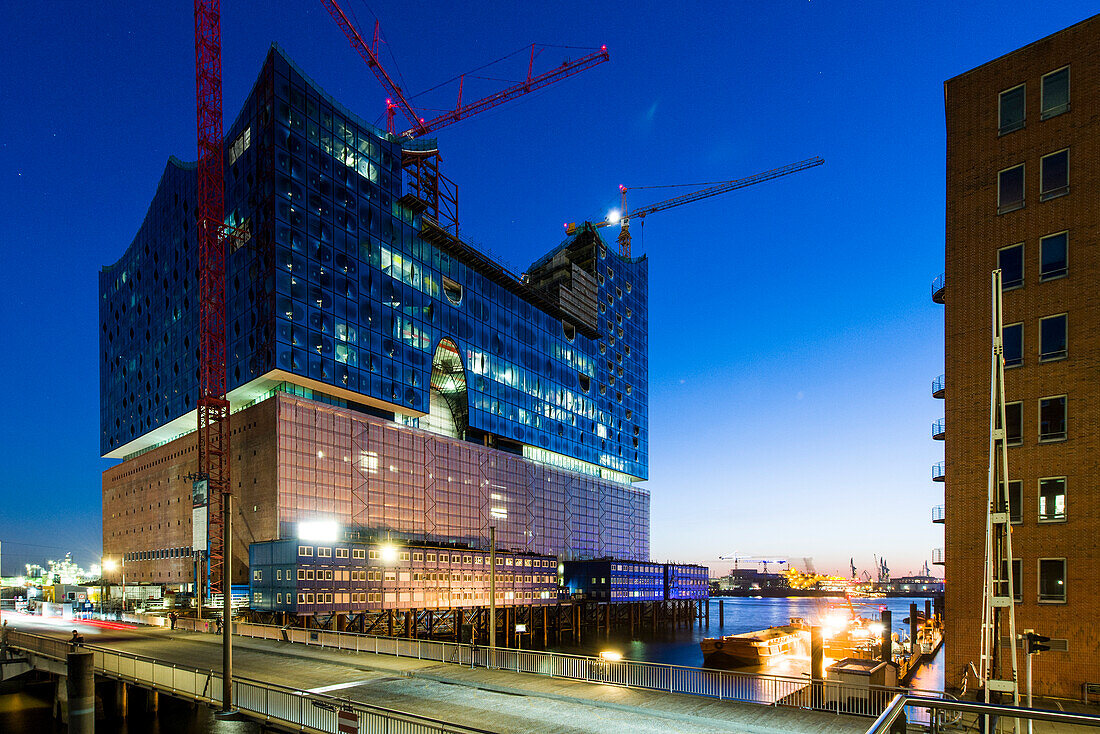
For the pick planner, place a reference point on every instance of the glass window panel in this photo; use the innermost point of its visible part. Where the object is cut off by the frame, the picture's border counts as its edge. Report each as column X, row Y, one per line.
column 1052, row 499
column 1052, row 579
column 1055, row 93
column 1052, row 418
column 1053, row 256
column 1012, row 109
column 1011, row 262
column 1054, row 175
column 1010, row 189
column 1052, row 337
column 1014, row 345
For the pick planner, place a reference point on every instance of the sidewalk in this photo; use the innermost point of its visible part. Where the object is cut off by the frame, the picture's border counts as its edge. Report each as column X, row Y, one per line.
column 698, row 710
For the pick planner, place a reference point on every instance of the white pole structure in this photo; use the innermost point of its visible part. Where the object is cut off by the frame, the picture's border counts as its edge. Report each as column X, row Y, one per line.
column 997, row 593
column 492, row 595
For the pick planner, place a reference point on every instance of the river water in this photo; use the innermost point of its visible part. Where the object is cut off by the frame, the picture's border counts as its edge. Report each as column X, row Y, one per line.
column 28, row 711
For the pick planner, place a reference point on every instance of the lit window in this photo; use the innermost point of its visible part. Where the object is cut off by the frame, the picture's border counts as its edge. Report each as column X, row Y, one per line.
column 1011, row 262
column 1055, row 93
column 1052, row 337
column 1014, row 345
column 1010, row 189
column 1052, row 579
column 1012, row 109
column 1052, row 256
column 1052, row 499
column 240, row 145
column 1052, row 418
column 1054, row 175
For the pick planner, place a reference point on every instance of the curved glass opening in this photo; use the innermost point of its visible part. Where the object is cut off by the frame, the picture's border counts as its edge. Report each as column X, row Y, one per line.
column 449, row 411
column 452, row 290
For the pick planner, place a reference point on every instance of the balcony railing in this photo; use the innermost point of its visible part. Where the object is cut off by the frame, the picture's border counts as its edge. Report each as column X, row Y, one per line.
column 937, row 288
column 937, row 556
column 938, row 513
column 939, row 472
column 939, row 385
column 939, row 429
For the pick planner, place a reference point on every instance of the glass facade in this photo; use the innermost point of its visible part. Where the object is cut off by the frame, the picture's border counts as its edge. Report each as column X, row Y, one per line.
column 374, row 475
column 625, row 581
column 306, row 577
column 331, row 280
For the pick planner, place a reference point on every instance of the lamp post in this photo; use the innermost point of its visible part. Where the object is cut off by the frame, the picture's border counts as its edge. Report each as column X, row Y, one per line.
column 492, row 594
column 107, row 564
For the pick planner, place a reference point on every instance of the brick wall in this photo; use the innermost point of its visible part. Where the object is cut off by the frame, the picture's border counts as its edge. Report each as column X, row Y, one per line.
column 974, row 233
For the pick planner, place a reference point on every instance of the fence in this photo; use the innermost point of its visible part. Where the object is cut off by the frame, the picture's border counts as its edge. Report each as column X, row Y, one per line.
column 724, row 685
column 267, row 702
column 951, row 715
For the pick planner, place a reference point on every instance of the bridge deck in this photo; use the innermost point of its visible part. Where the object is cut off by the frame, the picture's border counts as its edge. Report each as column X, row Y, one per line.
column 490, row 699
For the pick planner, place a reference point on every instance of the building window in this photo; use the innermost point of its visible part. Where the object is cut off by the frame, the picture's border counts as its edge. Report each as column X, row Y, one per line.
column 1052, row 418
column 301, row 598
column 301, row 574
column 324, row 552
column 1052, row 580
column 278, row 574
column 1053, row 262
column 278, row 598
column 1052, row 499
column 341, row 552
column 1012, row 109
column 358, row 553
column 1054, row 175
column 1011, row 262
column 1015, row 501
column 257, row 575
column 1017, row 580
column 309, row 598
column 1052, row 337
column 1010, row 189
column 1055, row 93
column 305, row 550
column 1014, row 345
column 1014, row 423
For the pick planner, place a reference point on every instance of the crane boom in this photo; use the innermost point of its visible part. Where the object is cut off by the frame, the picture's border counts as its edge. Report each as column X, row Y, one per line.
column 724, row 186
column 370, row 56
column 420, row 127
column 712, row 189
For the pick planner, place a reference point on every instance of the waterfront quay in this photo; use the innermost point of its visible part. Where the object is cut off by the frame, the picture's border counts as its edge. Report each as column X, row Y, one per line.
column 305, row 687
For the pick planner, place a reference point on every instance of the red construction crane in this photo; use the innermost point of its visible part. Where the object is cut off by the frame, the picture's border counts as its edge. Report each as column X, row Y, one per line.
column 213, row 407
column 421, row 126
column 713, row 188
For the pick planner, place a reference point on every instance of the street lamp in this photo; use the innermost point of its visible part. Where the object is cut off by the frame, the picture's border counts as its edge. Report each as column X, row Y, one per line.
column 107, row 564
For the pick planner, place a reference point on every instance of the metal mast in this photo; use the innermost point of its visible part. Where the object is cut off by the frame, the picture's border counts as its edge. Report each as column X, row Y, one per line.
column 998, row 593
column 213, row 407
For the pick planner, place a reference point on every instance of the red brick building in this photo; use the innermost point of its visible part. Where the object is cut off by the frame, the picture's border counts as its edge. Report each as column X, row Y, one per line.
column 1023, row 162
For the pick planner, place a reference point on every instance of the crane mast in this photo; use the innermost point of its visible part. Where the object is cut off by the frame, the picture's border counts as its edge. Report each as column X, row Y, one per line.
column 213, row 407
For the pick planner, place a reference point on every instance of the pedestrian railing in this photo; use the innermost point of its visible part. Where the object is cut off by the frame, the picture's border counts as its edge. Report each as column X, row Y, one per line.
column 724, row 685
column 952, row 715
column 263, row 701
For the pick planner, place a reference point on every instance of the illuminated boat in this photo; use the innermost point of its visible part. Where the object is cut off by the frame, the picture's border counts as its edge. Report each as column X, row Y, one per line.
column 756, row 648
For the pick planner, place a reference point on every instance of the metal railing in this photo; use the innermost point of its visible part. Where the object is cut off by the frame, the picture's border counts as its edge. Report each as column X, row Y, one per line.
column 723, row 685
column 937, row 556
column 939, row 428
column 964, row 715
column 939, row 471
column 938, row 513
column 939, row 385
column 259, row 700
column 937, row 288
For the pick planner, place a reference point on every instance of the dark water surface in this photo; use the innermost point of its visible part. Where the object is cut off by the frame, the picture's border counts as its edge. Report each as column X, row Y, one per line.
column 28, row 711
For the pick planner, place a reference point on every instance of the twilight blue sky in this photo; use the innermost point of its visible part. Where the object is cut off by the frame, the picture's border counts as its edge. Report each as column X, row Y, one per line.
column 792, row 336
